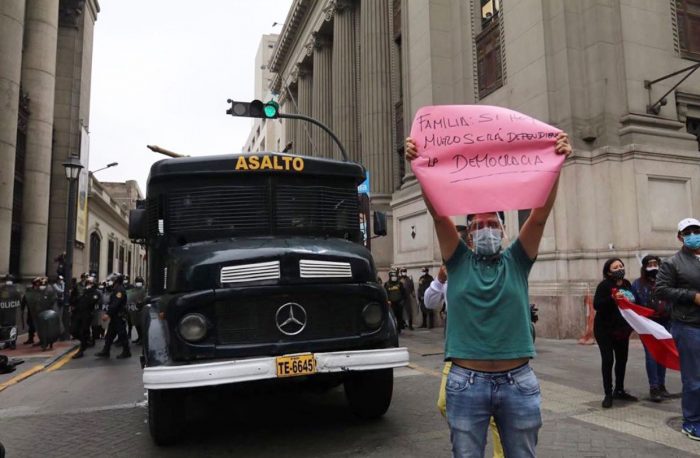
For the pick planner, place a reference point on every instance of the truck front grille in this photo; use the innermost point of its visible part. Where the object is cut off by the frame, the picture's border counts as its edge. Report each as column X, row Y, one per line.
column 309, row 268
column 250, row 272
column 253, row 320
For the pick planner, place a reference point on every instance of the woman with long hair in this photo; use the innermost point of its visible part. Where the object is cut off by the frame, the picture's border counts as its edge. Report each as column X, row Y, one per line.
column 612, row 332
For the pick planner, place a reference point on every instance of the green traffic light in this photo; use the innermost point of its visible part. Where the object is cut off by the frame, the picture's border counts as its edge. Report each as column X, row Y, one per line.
column 271, row 109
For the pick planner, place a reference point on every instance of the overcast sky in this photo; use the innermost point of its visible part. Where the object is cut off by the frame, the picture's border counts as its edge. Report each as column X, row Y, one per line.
column 162, row 71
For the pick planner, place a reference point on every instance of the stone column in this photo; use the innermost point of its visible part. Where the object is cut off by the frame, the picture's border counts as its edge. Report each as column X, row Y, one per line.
column 344, row 79
column 39, row 80
column 304, row 106
column 375, row 96
column 322, row 104
column 289, row 106
column 11, row 29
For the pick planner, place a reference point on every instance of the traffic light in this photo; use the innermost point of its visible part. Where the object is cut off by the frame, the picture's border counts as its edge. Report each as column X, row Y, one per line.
column 254, row 109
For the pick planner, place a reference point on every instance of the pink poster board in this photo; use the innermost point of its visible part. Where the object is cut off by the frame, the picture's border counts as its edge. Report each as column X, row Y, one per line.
column 480, row 158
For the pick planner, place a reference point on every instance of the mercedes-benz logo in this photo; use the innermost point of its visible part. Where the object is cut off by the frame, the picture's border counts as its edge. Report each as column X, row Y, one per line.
column 290, row 318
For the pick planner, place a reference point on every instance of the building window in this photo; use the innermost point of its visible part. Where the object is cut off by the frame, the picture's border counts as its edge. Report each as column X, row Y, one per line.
column 110, row 257
column 688, row 17
column 121, row 260
column 95, row 243
column 693, row 126
column 488, row 48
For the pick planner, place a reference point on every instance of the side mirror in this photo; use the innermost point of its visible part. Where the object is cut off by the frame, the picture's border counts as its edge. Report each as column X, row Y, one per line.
column 138, row 224
column 379, row 224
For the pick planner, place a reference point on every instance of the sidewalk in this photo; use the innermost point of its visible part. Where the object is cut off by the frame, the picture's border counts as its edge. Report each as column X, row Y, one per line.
column 574, row 423
column 35, row 360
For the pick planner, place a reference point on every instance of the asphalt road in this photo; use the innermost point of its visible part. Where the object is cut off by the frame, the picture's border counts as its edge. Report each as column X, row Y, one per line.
column 93, row 407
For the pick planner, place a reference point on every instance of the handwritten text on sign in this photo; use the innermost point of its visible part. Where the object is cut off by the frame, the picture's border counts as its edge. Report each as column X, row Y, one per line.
column 480, row 158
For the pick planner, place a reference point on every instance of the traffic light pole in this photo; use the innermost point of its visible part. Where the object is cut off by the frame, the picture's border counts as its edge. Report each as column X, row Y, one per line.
column 319, row 124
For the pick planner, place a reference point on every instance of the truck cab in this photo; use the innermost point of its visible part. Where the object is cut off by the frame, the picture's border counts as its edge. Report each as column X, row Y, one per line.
column 258, row 271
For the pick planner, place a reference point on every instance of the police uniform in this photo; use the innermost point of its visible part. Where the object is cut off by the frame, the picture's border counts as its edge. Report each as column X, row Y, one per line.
column 423, row 284
column 136, row 296
column 117, row 322
column 10, row 300
column 39, row 301
column 396, row 293
column 83, row 309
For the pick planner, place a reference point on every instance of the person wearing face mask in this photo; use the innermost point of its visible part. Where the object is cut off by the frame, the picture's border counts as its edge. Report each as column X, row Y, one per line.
column 612, row 332
column 39, row 299
column 488, row 336
column 410, row 299
column 424, row 282
column 135, row 302
column 116, row 312
column 396, row 293
column 643, row 290
column 82, row 310
column 10, row 300
column 678, row 282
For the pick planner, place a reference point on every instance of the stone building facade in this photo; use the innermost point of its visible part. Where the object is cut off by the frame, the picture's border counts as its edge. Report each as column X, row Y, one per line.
column 45, row 72
column 365, row 67
column 109, row 248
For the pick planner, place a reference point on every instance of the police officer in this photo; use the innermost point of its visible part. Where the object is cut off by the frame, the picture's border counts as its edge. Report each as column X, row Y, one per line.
column 423, row 284
column 82, row 310
column 116, row 312
column 10, row 300
column 39, row 298
column 135, row 302
column 397, row 294
column 410, row 299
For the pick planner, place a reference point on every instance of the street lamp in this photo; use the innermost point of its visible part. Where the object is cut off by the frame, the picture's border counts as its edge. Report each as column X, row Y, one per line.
column 113, row 164
column 72, row 167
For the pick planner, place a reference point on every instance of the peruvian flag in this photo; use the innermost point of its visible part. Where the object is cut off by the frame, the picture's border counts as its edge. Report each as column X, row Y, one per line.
column 657, row 340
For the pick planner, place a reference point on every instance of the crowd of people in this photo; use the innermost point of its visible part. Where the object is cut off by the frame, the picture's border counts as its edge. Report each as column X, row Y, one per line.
column 406, row 300
column 85, row 310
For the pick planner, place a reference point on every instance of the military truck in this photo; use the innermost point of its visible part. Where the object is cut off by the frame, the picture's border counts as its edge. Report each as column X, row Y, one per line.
column 258, row 271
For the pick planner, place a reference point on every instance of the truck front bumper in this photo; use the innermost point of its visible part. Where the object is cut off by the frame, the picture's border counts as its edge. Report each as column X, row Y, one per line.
column 246, row 370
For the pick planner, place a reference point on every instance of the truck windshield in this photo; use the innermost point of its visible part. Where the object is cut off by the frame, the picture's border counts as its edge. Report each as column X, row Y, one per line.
column 256, row 205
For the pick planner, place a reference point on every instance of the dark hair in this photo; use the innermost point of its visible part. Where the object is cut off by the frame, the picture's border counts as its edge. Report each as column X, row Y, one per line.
column 608, row 263
column 500, row 215
column 645, row 262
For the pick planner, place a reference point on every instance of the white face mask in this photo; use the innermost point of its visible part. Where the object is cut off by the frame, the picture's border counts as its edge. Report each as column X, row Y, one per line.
column 42, row 287
column 110, row 283
column 138, row 284
column 8, row 283
column 487, row 241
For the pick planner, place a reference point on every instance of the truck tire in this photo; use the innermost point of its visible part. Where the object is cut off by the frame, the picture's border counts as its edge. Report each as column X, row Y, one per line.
column 369, row 392
column 165, row 415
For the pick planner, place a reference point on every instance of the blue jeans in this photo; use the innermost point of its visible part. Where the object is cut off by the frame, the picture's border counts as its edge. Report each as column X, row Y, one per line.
column 512, row 398
column 656, row 373
column 687, row 338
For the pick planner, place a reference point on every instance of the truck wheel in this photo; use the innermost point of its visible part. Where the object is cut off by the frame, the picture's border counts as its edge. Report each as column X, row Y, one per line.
column 165, row 415
column 369, row 392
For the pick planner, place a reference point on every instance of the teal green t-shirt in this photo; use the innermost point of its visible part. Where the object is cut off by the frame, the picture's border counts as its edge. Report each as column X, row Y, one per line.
column 488, row 312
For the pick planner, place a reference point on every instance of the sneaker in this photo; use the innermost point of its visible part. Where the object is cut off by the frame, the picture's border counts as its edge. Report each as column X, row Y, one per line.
column 691, row 431
column 655, row 394
column 624, row 396
column 607, row 401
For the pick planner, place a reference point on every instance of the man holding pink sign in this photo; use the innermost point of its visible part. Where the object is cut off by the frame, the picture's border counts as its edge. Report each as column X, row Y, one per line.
column 478, row 160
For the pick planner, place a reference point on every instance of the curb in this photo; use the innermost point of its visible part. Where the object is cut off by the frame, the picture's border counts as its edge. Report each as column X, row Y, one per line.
column 37, row 368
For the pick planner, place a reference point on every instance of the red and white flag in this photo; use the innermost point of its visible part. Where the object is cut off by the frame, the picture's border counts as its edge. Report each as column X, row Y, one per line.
column 657, row 340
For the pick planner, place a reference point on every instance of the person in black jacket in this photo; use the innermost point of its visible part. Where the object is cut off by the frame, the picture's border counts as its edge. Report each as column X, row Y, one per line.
column 678, row 282
column 116, row 311
column 611, row 331
column 83, row 308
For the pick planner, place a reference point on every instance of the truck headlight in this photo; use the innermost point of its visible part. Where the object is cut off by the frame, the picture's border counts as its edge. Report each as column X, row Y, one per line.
column 193, row 327
column 373, row 315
